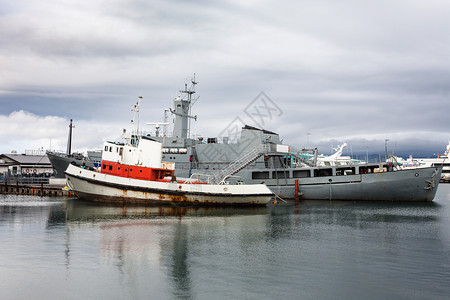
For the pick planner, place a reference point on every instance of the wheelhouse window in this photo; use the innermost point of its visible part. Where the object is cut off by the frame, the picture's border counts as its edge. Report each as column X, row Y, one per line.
column 322, row 172
column 301, row 174
column 260, row 175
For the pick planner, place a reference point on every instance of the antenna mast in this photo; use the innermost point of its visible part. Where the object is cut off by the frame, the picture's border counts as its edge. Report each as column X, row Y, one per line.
column 182, row 110
column 190, row 93
column 166, row 117
column 134, row 129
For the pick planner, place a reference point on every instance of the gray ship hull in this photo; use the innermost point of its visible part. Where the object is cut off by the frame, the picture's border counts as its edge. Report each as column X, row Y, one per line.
column 418, row 184
column 403, row 185
column 61, row 161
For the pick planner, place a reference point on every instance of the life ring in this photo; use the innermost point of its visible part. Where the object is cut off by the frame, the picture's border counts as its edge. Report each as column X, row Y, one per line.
column 34, row 171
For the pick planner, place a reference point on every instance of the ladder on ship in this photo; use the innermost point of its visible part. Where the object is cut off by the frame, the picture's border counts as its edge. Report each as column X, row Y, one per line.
column 239, row 164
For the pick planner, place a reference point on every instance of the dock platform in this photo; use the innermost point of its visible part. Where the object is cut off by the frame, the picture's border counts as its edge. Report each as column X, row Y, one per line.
column 48, row 190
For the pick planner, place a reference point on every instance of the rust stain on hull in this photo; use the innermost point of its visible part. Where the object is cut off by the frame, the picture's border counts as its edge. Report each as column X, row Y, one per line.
column 164, row 199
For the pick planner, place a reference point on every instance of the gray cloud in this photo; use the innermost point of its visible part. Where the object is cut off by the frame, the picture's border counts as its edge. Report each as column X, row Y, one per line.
column 348, row 70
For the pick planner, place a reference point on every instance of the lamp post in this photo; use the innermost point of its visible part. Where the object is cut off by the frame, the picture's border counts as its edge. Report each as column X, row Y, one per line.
column 367, row 155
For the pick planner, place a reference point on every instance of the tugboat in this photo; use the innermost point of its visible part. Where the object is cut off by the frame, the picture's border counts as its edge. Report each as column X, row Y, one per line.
column 131, row 174
column 135, row 173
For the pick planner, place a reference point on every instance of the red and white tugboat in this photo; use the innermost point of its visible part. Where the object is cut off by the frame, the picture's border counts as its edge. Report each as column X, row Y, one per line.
column 130, row 174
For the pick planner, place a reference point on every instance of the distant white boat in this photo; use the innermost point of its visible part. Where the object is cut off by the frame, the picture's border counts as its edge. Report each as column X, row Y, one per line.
column 320, row 160
column 443, row 160
column 336, row 159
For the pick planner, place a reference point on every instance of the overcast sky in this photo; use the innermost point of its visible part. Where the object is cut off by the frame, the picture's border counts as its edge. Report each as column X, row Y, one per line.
column 330, row 71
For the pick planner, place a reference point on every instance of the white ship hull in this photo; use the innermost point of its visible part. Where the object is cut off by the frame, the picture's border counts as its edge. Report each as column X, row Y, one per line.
column 95, row 186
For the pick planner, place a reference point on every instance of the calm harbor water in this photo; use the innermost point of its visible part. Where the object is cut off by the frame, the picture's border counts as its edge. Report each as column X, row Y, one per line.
column 58, row 248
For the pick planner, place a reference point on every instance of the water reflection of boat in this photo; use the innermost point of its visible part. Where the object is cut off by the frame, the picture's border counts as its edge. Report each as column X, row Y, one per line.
column 79, row 210
column 161, row 241
column 148, row 244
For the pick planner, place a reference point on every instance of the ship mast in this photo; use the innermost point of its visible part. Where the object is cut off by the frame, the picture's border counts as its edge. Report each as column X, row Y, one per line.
column 69, row 139
column 166, row 117
column 182, row 110
column 134, row 128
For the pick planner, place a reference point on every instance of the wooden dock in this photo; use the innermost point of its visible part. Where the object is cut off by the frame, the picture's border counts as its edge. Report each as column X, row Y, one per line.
column 47, row 190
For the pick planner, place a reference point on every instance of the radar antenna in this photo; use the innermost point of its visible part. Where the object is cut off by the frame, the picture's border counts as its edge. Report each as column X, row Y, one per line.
column 157, row 126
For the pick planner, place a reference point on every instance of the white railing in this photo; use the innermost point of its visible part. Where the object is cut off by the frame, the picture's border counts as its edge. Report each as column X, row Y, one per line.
column 239, row 164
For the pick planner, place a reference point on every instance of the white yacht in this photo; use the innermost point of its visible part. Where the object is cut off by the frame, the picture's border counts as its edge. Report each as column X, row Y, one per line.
column 441, row 160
